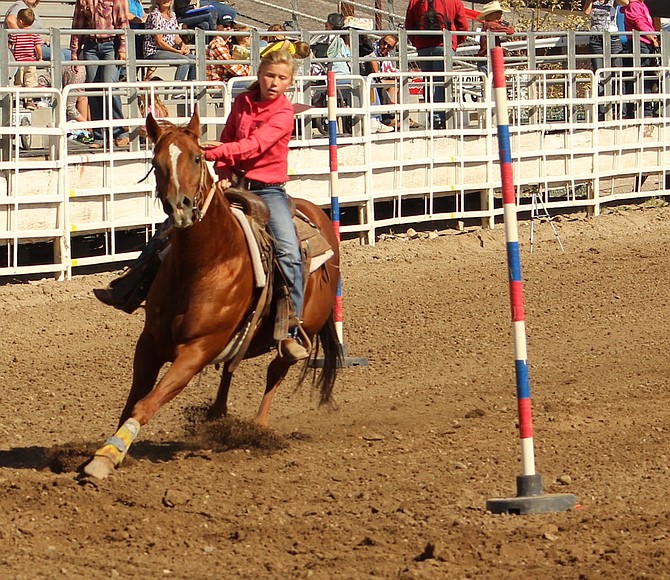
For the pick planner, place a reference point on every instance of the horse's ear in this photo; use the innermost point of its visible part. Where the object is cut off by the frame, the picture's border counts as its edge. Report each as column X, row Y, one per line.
column 194, row 124
column 153, row 128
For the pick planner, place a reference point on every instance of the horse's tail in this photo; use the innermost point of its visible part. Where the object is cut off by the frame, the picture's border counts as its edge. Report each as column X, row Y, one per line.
column 329, row 342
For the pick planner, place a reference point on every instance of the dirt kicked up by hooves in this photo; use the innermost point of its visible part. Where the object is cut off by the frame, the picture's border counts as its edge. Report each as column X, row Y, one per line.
column 99, row 468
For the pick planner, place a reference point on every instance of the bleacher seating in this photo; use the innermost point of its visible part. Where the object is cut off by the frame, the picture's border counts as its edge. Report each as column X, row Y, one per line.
column 54, row 13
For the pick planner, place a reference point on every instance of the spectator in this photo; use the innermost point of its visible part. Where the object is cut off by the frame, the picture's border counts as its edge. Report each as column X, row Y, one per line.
column 95, row 47
column 389, row 92
column 167, row 46
column 221, row 48
column 136, row 18
column 637, row 17
column 242, row 50
column 338, row 49
column 76, row 106
column 491, row 19
column 603, row 14
column 277, row 41
column 10, row 22
column 301, row 49
column 222, row 9
column 26, row 48
column 435, row 15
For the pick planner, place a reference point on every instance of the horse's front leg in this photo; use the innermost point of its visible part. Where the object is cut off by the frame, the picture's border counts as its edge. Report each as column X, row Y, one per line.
column 275, row 375
column 146, row 366
column 108, row 457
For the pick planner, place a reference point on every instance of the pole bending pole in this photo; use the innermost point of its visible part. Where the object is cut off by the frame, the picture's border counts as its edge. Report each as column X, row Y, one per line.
column 347, row 361
column 530, row 497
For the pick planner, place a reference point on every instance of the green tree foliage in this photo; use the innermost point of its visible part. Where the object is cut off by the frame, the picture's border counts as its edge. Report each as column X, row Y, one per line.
column 544, row 15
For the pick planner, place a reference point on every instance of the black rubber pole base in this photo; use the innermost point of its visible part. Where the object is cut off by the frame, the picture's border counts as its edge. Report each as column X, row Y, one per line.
column 347, row 361
column 530, row 499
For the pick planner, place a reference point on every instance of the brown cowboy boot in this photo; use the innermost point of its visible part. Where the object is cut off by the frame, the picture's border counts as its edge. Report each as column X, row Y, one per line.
column 292, row 351
column 130, row 289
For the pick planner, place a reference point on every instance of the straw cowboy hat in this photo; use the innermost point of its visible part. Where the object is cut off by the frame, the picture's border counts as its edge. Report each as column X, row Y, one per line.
column 490, row 8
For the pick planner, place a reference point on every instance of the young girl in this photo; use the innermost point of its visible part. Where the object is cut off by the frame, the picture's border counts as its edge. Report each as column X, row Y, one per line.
column 255, row 144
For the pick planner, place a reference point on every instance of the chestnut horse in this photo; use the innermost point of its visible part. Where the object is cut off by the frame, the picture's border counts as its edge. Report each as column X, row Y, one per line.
column 204, row 292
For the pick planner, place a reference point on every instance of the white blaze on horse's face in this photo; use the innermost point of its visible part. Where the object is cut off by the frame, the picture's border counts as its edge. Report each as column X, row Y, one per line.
column 182, row 210
column 175, row 152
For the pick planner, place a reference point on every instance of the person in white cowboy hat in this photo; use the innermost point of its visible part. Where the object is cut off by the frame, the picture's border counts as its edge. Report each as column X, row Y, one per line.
column 491, row 19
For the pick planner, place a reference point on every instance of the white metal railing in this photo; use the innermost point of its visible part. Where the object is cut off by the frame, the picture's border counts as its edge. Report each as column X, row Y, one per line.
column 571, row 147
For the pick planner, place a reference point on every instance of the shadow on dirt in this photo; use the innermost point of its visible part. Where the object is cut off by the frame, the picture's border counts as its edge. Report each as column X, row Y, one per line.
column 215, row 436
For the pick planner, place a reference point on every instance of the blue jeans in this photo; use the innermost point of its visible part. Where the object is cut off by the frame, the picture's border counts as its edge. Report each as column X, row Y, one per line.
column 184, row 71
column 65, row 53
column 287, row 246
column 101, row 51
column 596, row 46
column 434, row 66
column 650, row 79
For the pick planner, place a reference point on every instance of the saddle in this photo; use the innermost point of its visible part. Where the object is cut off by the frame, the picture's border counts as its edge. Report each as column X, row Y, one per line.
column 253, row 215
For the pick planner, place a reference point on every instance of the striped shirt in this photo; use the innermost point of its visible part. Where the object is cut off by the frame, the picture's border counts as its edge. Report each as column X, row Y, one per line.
column 24, row 46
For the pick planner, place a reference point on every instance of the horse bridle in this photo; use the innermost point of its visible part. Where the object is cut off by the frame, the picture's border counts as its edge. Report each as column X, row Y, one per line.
column 198, row 210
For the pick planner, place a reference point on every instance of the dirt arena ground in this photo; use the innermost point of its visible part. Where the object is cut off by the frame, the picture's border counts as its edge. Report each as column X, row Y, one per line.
column 392, row 481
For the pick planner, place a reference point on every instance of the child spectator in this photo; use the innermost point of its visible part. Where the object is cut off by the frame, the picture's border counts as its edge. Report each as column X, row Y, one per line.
column 301, row 49
column 491, row 19
column 277, row 41
column 242, row 50
column 26, row 48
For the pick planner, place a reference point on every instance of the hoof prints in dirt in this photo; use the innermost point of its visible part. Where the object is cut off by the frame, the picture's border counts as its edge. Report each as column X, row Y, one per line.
column 230, row 433
column 68, row 457
column 219, row 435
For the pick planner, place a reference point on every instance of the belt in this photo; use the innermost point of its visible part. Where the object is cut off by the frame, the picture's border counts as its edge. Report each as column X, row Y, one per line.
column 100, row 40
column 252, row 184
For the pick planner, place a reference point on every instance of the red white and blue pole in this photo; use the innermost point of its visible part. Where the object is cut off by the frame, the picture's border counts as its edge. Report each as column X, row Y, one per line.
column 335, row 214
column 530, row 498
column 334, row 196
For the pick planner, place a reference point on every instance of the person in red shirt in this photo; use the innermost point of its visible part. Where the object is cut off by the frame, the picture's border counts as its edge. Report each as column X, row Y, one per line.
column 637, row 17
column 491, row 19
column 435, row 15
column 255, row 144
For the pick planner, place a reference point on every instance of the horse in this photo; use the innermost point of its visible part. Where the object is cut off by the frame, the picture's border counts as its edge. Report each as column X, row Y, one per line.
column 203, row 293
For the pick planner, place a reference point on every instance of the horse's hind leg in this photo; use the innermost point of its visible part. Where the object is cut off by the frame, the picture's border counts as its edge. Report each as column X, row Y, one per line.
column 275, row 375
column 219, row 407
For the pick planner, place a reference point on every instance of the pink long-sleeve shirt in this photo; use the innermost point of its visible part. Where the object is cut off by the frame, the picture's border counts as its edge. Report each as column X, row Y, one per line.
column 637, row 17
column 256, row 137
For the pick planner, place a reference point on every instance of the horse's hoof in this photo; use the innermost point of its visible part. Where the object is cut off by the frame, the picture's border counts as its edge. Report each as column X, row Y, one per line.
column 99, row 467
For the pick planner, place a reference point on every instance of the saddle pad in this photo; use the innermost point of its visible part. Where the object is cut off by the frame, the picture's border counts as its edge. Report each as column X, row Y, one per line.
column 259, row 271
column 320, row 250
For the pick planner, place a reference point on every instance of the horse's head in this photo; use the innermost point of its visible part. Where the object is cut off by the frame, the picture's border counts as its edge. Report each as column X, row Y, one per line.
column 182, row 177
